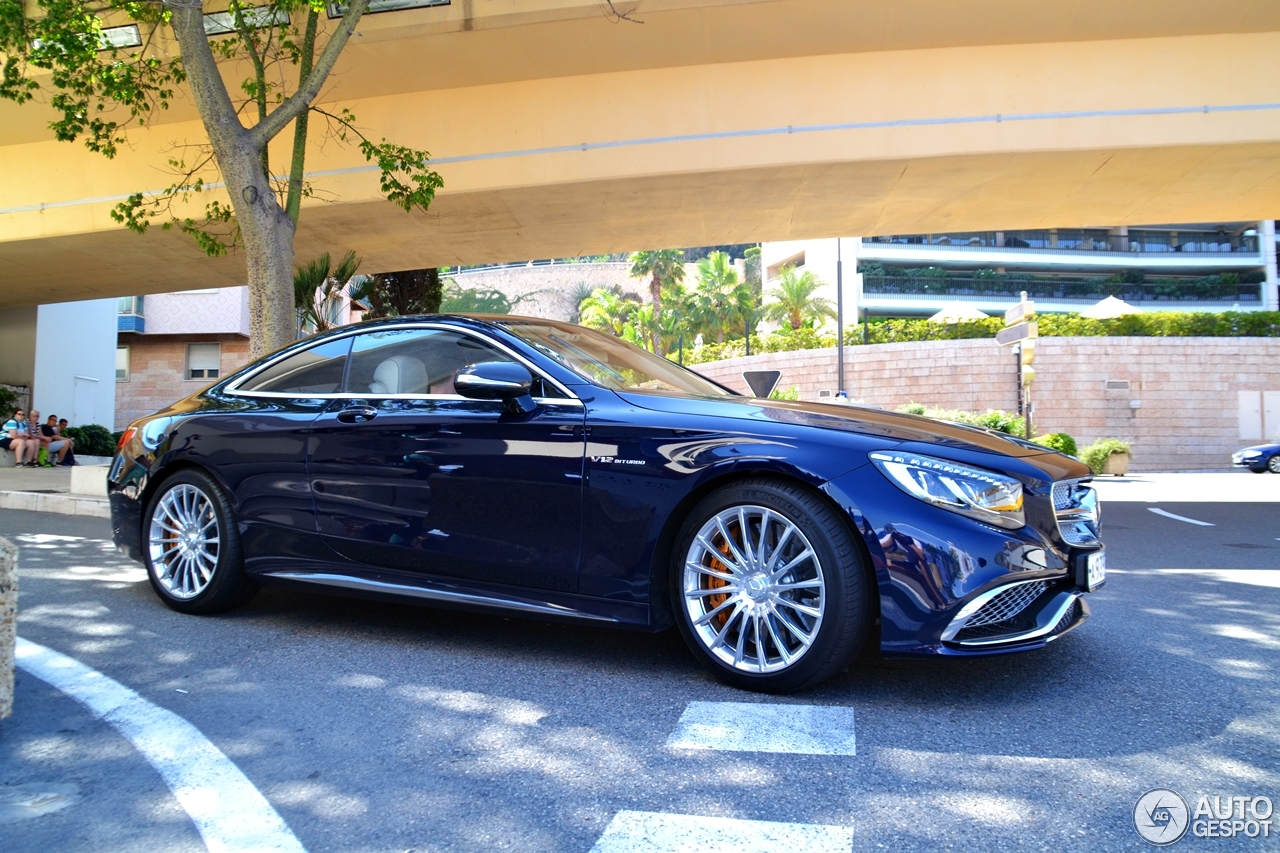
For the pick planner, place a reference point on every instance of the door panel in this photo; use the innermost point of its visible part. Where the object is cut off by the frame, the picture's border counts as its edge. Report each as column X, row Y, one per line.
column 443, row 485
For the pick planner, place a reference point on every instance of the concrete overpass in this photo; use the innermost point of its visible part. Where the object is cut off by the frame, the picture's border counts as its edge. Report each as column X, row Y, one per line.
column 561, row 131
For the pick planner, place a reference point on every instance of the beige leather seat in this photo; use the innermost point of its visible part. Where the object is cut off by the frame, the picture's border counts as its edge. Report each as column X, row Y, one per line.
column 401, row 374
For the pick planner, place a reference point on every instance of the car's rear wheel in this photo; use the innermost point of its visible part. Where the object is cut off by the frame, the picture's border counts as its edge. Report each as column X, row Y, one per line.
column 192, row 548
column 769, row 587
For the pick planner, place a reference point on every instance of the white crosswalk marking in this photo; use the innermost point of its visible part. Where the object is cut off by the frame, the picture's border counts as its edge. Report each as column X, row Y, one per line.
column 655, row 832
column 763, row 727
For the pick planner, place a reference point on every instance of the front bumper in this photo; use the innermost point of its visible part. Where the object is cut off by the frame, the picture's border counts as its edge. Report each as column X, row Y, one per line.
column 1257, row 462
column 949, row 585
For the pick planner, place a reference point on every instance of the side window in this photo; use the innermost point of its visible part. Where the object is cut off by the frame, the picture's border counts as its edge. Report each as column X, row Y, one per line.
column 317, row 370
column 413, row 361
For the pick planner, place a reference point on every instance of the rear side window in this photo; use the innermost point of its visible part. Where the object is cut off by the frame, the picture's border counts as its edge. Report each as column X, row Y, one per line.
column 413, row 361
column 316, row 370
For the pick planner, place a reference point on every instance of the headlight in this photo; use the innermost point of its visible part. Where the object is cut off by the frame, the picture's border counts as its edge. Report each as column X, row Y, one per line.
column 1250, row 454
column 975, row 492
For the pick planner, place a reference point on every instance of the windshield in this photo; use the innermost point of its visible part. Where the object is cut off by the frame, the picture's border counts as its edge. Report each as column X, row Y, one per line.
column 609, row 361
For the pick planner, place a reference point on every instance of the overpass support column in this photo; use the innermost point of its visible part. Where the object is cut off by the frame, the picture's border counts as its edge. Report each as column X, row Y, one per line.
column 1267, row 234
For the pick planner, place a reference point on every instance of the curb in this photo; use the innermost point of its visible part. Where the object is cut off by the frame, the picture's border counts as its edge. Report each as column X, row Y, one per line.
column 66, row 504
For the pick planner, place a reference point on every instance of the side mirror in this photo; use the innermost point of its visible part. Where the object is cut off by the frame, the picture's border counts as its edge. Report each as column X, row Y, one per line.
column 497, row 380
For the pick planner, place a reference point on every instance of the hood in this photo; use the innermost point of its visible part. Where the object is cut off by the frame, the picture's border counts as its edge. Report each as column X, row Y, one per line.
column 864, row 420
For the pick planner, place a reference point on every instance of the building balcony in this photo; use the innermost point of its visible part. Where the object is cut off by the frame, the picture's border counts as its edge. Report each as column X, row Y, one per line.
column 131, row 323
column 924, row 295
column 1080, row 250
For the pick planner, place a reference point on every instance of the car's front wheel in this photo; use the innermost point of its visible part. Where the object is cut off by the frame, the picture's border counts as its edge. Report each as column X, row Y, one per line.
column 1273, row 464
column 191, row 546
column 769, row 586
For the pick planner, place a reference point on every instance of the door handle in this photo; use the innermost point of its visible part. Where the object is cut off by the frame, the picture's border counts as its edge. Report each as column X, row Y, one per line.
column 357, row 414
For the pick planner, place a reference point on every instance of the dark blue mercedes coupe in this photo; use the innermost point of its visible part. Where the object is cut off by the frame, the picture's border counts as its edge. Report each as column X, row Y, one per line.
column 527, row 466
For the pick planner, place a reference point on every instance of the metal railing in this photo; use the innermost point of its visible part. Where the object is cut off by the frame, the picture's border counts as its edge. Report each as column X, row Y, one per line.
column 1140, row 241
column 919, row 288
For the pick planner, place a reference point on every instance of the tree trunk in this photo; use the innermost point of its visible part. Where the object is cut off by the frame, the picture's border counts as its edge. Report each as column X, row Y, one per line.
column 267, row 232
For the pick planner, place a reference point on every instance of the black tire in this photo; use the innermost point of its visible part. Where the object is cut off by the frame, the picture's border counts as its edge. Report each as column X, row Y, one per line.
column 838, row 569
column 1273, row 464
column 212, row 580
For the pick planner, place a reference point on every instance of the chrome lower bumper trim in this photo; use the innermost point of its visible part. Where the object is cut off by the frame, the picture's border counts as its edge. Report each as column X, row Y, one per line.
column 1046, row 621
column 445, row 595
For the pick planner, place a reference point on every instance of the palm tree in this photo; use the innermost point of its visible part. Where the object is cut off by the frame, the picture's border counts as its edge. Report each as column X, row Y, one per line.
column 317, row 289
column 721, row 302
column 793, row 299
column 664, row 266
column 608, row 310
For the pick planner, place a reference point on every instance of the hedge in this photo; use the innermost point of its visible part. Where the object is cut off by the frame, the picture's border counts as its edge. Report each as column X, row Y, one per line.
column 1155, row 324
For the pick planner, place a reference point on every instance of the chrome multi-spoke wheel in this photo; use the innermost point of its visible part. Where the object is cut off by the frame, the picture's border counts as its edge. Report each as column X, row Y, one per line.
column 770, row 586
column 754, row 589
column 192, row 547
column 184, row 541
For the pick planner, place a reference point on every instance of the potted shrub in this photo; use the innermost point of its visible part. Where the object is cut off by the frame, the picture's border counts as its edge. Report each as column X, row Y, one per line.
column 1107, row 456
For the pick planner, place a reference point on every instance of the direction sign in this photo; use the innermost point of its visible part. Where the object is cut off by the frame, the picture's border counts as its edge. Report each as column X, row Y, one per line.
column 1024, row 310
column 1020, row 332
column 762, row 382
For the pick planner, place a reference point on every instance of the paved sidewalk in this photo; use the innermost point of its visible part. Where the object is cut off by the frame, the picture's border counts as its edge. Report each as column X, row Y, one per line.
column 47, row 490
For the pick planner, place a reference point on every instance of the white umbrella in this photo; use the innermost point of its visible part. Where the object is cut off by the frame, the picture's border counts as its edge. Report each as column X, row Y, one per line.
column 1109, row 309
column 957, row 312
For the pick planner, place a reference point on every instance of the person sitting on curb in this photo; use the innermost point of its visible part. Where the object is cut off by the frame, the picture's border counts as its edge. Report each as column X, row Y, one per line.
column 43, row 453
column 16, row 436
column 55, row 444
column 62, row 433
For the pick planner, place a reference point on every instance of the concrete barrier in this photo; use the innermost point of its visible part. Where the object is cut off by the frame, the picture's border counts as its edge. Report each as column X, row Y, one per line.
column 8, row 622
column 89, row 480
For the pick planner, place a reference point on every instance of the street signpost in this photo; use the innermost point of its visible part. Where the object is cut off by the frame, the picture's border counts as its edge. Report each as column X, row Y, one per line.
column 762, row 382
column 1021, row 332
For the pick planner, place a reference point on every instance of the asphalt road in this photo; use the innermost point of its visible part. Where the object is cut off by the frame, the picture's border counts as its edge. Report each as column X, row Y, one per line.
column 376, row 727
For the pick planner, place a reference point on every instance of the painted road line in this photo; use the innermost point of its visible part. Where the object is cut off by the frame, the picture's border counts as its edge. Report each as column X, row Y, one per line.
column 764, row 727
column 230, row 813
column 1179, row 517
column 656, row 832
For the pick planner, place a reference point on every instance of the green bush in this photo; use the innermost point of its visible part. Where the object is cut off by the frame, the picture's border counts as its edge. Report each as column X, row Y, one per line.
column 792, row 393
column 992, row 419
column 1096, row 454
column 92, row 440
column 1058, row 441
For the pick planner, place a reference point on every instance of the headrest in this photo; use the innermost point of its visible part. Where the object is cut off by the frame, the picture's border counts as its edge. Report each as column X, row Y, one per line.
column 401, row 374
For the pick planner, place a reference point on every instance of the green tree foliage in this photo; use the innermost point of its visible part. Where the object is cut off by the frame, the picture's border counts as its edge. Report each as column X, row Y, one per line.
column 401, row 294
column 663, row 267
column 55, row 51
column 608, row 310
column 318, row 289
column 793, row 300
column 721, row 304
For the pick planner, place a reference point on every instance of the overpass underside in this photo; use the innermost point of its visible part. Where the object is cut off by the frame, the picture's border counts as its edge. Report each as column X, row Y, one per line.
column 633, row 147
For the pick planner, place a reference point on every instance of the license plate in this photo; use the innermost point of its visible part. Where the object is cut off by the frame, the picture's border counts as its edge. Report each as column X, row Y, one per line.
column 1096, row 569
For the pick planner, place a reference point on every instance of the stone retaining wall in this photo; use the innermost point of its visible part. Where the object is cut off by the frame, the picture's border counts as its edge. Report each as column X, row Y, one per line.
column 549, row 287
column 1188, row 390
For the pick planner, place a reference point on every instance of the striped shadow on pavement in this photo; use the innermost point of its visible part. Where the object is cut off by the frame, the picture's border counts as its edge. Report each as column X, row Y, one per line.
column 764, row 727
column 656, row 832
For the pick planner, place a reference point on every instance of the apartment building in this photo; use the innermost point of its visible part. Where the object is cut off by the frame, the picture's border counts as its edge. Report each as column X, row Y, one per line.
column 1205, row 267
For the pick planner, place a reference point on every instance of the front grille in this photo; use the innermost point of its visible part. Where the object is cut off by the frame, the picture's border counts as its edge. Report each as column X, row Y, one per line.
column 1067, row 618
column 1008, row 604
column 1062, row 494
